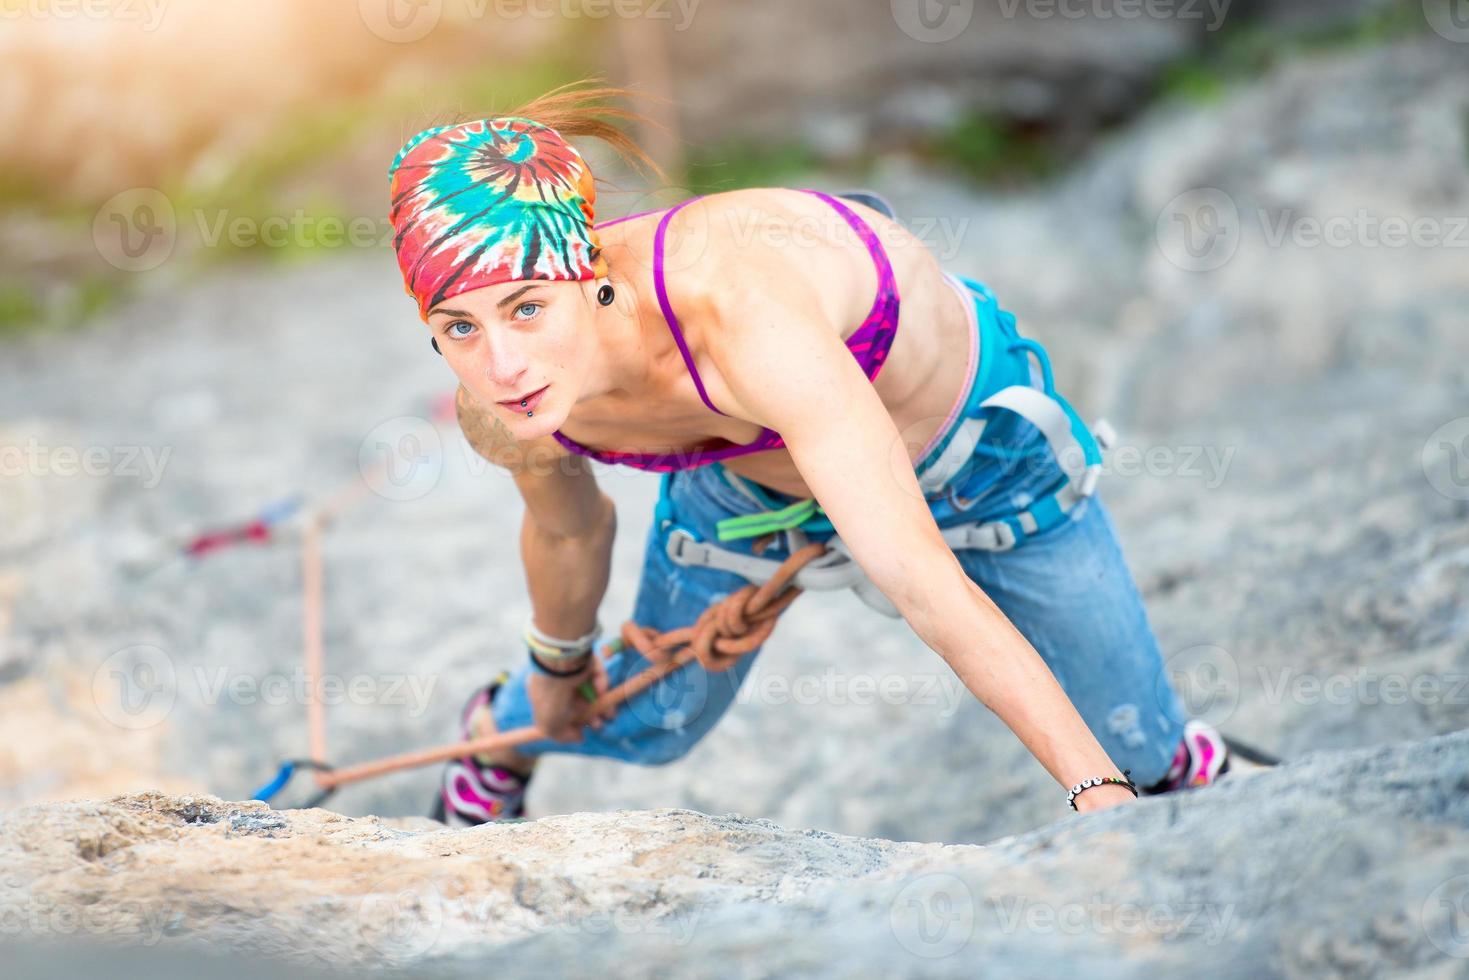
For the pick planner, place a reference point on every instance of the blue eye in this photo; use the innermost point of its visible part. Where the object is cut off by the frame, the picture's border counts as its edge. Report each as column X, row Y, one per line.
column 453, row 331
column 527, row 306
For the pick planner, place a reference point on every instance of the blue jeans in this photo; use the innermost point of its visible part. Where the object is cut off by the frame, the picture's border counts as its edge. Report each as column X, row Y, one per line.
column 1067, row 589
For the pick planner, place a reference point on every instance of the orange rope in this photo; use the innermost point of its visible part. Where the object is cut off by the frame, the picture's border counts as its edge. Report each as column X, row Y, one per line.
column 737, row 624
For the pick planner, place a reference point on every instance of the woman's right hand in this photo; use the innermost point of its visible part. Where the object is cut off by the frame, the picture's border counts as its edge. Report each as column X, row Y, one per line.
column 557, row 706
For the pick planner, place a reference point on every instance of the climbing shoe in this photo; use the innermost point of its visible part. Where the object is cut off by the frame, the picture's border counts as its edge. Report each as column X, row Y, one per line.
column 471, row 791
column 1202, row 757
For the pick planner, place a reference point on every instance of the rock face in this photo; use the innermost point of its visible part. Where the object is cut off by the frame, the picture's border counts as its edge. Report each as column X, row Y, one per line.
column 878, row 74
column 1343, row 864
column 1293, row 497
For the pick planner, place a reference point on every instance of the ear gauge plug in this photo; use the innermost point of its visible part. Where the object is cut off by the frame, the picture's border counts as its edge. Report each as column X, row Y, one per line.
column 605, row 295
column 435, row 342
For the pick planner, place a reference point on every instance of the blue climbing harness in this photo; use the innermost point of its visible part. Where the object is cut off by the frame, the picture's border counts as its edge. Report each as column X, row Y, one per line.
column 1077, row 449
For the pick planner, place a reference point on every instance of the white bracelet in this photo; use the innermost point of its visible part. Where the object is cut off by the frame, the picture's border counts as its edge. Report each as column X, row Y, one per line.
column 552, row 649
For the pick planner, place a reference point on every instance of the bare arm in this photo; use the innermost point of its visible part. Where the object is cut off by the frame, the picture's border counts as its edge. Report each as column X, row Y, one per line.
column 565, row 546
column 773, row 358
column 569, row 526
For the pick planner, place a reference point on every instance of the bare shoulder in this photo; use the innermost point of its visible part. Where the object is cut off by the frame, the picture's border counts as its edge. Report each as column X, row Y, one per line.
column 723, row 249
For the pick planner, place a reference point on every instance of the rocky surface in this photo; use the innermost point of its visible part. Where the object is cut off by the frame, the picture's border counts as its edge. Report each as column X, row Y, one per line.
column 1293, row 495
column 1230, row 880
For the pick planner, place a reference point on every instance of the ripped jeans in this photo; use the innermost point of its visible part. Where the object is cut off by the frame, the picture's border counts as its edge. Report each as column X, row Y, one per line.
column 1067, row 590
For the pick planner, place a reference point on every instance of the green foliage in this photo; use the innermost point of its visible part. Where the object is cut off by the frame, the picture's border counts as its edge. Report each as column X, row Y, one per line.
column 1241, row 53
column 737, row 164
column 993, row 150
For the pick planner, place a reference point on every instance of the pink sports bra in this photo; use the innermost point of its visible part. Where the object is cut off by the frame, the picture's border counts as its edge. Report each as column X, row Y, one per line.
column 869, row 344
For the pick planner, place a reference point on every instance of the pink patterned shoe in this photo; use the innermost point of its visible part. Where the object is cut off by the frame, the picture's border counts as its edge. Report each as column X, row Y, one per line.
column 1202, row 757
column 473, row 792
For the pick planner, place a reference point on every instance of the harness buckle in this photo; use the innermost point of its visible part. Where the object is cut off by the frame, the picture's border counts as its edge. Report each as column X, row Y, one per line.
column 684, row 546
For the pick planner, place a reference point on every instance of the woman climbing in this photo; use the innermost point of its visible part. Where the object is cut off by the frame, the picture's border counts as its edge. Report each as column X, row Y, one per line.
column 733, row 344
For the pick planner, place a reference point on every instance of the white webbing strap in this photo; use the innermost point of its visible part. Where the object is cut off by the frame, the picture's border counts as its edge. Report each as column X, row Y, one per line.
column 1047, row 415
column 959, row 449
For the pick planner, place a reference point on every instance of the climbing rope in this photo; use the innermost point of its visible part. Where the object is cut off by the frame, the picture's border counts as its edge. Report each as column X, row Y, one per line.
column 730, row 628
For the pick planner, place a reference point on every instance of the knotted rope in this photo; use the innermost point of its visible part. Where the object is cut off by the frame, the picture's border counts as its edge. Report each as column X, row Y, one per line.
column 730, row 628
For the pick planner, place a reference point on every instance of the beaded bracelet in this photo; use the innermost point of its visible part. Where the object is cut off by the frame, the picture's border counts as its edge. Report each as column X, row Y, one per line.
column 1086, row 784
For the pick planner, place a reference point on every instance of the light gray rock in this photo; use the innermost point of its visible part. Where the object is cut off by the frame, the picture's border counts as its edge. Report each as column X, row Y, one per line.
column 1343, row 863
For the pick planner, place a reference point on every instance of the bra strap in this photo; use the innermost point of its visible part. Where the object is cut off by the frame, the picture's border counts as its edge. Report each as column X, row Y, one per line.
column 667, row 308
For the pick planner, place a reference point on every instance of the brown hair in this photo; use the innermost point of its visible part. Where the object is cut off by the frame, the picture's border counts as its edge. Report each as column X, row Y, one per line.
column 574, row 110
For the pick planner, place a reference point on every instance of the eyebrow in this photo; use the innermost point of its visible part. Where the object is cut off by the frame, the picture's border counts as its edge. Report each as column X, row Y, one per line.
column 500, row 305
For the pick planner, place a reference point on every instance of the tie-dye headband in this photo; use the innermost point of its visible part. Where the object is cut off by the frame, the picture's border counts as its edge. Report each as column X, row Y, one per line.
column 491, row 201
